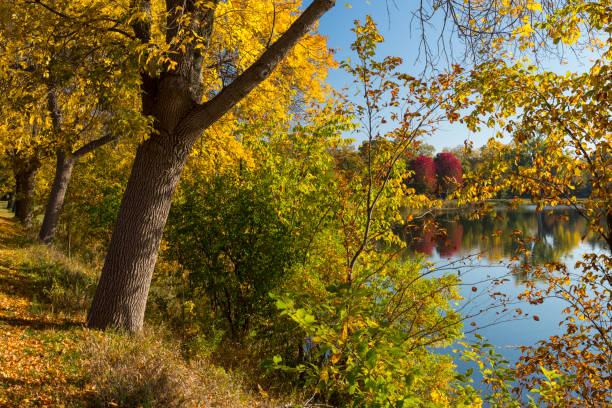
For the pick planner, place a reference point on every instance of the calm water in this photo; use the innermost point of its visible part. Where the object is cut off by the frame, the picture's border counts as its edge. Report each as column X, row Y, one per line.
column 559, row 236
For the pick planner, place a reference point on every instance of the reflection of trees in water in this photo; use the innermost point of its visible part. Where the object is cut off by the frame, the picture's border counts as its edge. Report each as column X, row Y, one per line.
column 425, row 241
column 449, row 244
column 548, row 235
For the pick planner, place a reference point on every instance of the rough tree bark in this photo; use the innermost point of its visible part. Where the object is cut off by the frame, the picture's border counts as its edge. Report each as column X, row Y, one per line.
column 25, row 174
column 61, row 181
column 173, row 99
column 122, row 292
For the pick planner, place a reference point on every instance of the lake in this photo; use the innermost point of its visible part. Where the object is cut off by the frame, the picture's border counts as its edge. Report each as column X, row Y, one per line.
column 480, row 250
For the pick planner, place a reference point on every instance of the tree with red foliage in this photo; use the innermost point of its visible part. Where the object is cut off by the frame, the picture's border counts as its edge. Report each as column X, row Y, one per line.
column 448, row 171
column 423, row 179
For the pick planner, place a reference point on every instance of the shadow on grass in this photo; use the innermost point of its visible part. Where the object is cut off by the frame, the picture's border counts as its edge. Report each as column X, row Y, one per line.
column 18, row 285
column 38, row 324
column 12, row 234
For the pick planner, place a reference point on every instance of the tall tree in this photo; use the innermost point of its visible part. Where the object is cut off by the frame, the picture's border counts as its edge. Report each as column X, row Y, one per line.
column 448, row 172
column 172, row 95
column 80, row 77
column 23, row 137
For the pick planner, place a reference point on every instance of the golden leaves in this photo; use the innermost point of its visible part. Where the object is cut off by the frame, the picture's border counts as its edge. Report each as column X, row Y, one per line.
column 32, row 365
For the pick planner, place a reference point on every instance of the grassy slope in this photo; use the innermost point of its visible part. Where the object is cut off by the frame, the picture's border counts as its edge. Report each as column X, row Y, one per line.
column 48, row 358
column 38, row 348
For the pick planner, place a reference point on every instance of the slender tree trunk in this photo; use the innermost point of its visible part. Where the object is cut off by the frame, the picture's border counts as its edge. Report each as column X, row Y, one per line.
column 63, row 173
column 24, row 206
column 10, row 200
column 121, row 297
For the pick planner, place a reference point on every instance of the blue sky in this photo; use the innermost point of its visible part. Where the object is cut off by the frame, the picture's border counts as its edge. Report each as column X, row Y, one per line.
column 399, row 41
column 394, row 25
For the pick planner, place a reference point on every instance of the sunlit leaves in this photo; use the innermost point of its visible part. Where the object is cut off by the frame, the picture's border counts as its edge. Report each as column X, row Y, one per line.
column 560, row 130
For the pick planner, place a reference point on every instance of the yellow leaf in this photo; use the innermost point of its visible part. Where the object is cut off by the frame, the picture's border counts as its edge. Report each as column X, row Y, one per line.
column 534, row 6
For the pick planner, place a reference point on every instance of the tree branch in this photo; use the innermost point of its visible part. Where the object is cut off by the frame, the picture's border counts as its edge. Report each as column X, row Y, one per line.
column 204, row 115
column 142, row 27
column 75, row 18
column 94, row 144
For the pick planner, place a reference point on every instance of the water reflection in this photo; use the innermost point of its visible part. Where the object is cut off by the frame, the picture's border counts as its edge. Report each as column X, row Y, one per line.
column 449, row 238
column 548, row 236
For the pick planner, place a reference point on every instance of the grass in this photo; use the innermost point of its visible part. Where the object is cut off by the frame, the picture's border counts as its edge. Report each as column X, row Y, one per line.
column 48, row 358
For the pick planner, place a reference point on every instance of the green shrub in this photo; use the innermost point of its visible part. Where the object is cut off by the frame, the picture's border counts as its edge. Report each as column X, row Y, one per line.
column 233, row 248
column 368, row 343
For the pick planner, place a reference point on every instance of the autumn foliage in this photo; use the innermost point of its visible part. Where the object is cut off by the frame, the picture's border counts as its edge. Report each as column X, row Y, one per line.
column 424, row 177
column 440, row 175
column 448, row 172
column 281, row 258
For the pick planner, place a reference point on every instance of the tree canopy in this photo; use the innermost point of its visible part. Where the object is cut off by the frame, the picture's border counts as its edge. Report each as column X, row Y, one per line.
column 194, row 154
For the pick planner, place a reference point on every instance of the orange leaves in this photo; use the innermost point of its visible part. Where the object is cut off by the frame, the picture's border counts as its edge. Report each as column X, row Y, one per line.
column 31, row 362
column 33, row 367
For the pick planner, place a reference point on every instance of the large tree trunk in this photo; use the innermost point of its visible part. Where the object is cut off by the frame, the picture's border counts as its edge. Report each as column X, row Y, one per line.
column 63, row 173
column 24, row 205
column 121, row 295
column 173, row 99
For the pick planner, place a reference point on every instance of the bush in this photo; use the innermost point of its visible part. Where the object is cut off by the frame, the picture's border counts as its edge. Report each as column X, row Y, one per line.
column 227, row 235
column 370, row 342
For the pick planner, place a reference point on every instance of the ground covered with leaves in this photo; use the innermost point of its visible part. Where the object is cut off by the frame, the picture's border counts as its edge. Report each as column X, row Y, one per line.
column 38, row 356
column 49, row 359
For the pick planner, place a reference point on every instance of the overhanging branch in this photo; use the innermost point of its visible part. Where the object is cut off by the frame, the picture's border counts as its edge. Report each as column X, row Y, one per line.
column 204, row 115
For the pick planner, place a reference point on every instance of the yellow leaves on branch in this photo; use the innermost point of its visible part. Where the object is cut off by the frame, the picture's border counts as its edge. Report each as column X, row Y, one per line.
column 244, row 30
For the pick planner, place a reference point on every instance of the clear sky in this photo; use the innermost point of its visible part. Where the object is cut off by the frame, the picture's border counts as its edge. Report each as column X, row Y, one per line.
column 400, row 40
column 393, row 18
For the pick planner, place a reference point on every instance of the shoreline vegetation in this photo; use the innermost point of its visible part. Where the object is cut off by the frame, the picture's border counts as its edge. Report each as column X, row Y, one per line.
column 219, row 226
column 498, row 203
